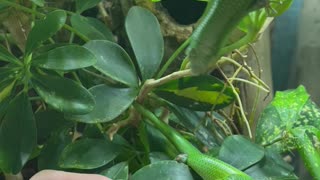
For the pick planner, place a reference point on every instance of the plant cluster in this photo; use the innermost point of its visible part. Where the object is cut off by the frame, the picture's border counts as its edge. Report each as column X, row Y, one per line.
column 85, row 104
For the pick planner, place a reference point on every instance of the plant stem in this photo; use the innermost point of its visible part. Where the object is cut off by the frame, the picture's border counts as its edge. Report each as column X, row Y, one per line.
column 152, row 83
column 173, row 57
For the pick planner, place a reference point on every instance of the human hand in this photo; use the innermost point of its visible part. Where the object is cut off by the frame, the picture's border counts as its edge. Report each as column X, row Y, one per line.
column 61, row 175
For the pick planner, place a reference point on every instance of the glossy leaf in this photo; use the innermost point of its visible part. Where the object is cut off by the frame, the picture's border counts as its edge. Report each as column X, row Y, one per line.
column 65, row 58
column 157, row 142
column 193, row 121
column 7, row 56
column 82, row 5
column 169, row 170
column 241, row 158
column 113, row 61
column 88, row 154
column 272, row 167
column 118, row 171
column 17, row 135
column 201, row 93
column 63, row 94
column 110, row 103
column 281, row 115
column 49, row 121
column 44, row 29
column 91, row 28
column 52, row 149
column 145, row 36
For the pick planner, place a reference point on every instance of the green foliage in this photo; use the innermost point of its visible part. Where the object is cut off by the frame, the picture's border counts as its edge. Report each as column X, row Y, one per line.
column 201, row 93
column 142, row 24
column 74, row 88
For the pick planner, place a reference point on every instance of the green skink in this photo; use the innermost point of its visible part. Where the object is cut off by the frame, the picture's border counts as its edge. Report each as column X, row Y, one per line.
column 207, row 167
column 219, row 20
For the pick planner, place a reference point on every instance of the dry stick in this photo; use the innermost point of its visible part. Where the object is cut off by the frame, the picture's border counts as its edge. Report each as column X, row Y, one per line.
column 237, row 97
column 230, row 121
column 223, row 125
column 246, row 70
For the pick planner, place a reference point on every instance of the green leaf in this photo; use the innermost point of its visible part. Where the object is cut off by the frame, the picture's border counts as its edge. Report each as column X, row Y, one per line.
column 240, row 152
column 281, row 115
column 6, row 87
column 113, row 61
column 52, row 149
column 309, row 153
column 201, row 93
column 110, row 103
column 145, row 36
column 278, row 7
column 7, row 56
column 163, row 170
column 194, row 122
column 65, row 58
column 88, row 154
column 309, row 115
column 49, row 121
column 44, row 29
column 63, row 94
column 272, row 167
column 82, row 5
column 17, row 135
column 118, row 171
column 91, row 28
column 39, row 2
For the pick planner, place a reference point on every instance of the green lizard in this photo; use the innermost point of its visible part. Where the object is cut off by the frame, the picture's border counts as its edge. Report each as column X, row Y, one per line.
column 207, row 167
column 219, row 20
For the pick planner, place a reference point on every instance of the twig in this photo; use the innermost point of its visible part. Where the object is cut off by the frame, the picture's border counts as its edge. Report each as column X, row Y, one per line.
column 237, row 97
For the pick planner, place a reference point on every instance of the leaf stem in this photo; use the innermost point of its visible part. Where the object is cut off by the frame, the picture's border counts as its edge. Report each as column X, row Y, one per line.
column 173, row 57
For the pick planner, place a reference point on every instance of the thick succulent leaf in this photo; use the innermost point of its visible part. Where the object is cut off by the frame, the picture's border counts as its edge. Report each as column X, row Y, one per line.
column 52, row 149
column 17, row 135
column 82, row 5
column 88, row 154
column 7, row 56
column 281, row 115
column 91, row 28
column 118, row 171
column 110, row 103
column 201, row 93
column 169, row 170
column 113, row 61
column 65, row 58
column 63, row 94
column 44, row 29
column 241, row 158
column 145, row 36
column 272, row 167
